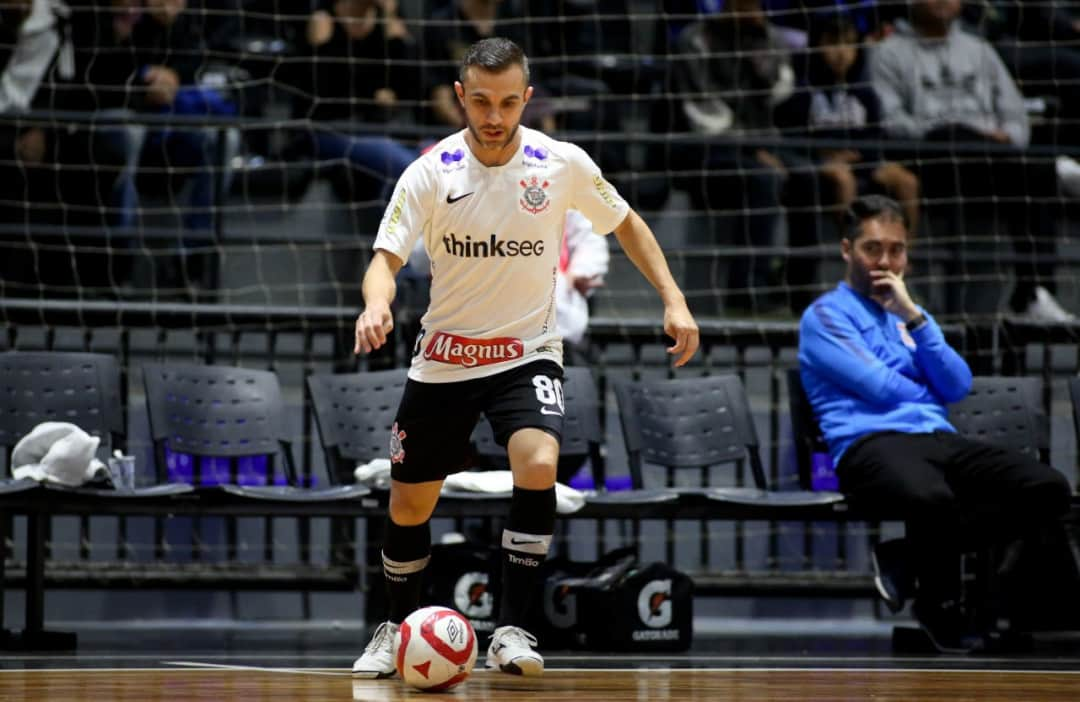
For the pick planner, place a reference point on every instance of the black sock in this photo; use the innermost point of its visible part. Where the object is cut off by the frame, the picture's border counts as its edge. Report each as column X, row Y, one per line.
column 406, row 552
column 525, row 543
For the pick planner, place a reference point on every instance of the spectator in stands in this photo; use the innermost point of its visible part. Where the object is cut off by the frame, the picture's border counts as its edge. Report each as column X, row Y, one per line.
column 29, row 40
column 836, row 104
column 49, row 176
column 146, row 57
column 878, row 373
column 1040, row 43
column 451, row 30
column 356, row 69
column 938, row 82
column 731, row 71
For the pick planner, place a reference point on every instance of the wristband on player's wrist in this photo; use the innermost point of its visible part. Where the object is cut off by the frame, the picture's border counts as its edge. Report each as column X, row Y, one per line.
column 915, row 322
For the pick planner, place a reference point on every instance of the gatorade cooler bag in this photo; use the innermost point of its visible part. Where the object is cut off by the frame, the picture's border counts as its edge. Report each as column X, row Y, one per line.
column 618, row 605
column 647, row 608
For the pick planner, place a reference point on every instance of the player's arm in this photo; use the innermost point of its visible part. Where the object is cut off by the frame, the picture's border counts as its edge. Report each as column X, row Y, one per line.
column 946, row 371
column 832, row 346
column 379, row 288
column 640, row 245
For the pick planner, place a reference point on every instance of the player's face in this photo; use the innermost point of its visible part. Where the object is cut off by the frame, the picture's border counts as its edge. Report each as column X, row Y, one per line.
column 493, row 105
column 882, row 246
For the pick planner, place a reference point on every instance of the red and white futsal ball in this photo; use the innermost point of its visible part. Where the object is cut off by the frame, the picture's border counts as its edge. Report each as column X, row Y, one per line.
column 436, row 649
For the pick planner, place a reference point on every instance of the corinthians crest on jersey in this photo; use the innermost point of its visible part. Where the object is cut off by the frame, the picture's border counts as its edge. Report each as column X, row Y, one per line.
column 534, row 198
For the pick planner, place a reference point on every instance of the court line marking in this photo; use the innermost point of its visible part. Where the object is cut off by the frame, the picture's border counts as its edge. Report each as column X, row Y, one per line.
column 197, row 665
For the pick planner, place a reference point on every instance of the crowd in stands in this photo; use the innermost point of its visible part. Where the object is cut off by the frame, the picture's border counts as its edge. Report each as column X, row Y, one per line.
column 744, row 74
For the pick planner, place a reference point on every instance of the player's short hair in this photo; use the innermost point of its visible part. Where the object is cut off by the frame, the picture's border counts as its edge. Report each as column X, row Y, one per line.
column 871, row 207
column 494, row 55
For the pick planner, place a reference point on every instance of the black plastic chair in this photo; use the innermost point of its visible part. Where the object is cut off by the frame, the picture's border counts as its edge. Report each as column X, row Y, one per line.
column 231, row 413
column 354, row 413
column 697, row 424
column 1004, row 411
column 55, row 386
column 82, row 389
column 804, row 428
column 61, row 386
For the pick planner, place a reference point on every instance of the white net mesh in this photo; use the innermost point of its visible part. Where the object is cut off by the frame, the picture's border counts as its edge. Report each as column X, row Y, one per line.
column 240, row 151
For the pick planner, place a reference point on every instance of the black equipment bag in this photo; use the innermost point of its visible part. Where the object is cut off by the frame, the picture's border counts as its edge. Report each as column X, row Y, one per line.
column 618, row 605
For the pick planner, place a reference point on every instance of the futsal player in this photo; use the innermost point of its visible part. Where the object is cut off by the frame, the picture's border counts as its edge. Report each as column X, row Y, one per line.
column 489, row 202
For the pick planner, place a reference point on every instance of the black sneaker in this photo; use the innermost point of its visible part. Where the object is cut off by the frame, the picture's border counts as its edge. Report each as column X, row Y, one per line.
column 946, row 627
column 894, row 577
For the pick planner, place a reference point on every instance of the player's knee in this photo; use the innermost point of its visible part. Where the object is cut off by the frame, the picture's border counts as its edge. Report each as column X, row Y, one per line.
column 934, row 499
column 1051, row 494
column 536, row 471
column 411, row 507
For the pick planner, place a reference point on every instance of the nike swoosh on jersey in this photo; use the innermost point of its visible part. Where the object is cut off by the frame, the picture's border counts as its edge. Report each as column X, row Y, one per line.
column 452, row 200
column 545, row 410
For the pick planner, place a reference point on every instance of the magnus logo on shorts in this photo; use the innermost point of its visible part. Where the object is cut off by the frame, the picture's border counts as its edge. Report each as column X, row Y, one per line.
column 487, row 248
column 463, row 351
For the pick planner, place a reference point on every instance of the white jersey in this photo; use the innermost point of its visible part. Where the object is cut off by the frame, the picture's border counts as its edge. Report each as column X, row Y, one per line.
column 493, row 234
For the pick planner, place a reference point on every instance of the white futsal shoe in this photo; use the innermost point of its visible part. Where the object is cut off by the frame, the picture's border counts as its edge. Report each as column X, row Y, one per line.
column 511, row 651
column 1046, row 308
column 378, row 658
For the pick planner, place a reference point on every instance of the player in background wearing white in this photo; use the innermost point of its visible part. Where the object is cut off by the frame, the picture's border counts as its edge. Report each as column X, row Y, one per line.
column 490, row 202
column 583, row 263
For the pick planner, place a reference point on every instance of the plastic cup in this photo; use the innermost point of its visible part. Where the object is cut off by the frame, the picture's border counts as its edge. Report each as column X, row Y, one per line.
column 122, row 472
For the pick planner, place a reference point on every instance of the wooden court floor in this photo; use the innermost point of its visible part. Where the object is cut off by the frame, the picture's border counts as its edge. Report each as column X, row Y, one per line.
column 236, row 684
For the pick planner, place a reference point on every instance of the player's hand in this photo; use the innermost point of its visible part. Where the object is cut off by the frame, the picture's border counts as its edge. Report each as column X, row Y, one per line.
column 30, row 146
column 679, row 324
column 889, row 290
column 372, row 326
column 385, row 97
column 771, row 160
column 162, row 83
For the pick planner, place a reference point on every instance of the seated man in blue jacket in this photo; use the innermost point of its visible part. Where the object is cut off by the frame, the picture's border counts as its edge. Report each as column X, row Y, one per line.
column 878, row 373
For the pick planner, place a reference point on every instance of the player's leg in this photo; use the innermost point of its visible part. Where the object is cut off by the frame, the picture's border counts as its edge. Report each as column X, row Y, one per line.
column 903, row 186
column 527, row 415
column 1005, row 494
column 899, row 472
column 427, row 442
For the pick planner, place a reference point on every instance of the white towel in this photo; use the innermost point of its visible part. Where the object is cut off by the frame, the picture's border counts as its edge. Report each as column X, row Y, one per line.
column 377, row 473
column 58, row 452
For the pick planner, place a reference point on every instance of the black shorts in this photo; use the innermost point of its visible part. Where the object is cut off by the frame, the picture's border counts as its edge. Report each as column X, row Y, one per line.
column 434, row 423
